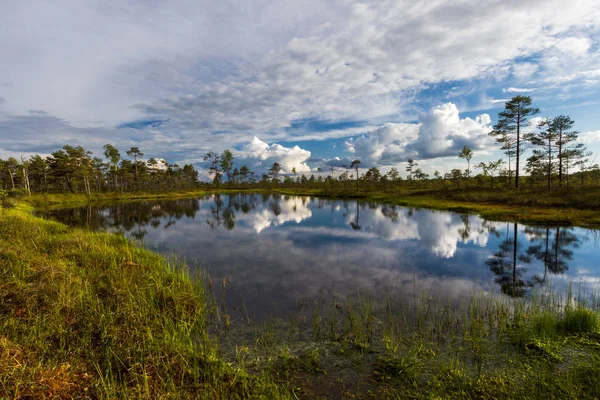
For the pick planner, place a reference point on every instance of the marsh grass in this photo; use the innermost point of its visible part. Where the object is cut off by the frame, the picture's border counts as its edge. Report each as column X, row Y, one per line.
column 93, row 315
column 482, row 346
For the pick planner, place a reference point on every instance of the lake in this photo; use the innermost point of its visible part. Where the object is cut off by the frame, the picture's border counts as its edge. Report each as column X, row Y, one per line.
column 276, row 253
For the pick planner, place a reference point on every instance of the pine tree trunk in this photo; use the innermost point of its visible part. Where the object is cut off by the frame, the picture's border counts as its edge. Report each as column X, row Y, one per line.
column 549, row 163
column 560, row 180
column 518, row 149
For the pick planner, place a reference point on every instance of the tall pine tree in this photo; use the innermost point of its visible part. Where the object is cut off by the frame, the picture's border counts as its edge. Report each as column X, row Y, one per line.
column 510, row 125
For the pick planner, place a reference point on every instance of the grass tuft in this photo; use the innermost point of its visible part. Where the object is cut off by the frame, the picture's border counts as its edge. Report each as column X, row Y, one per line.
column 580, row 320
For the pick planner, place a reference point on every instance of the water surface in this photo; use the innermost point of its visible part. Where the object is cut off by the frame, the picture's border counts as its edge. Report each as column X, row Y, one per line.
column 279, row 252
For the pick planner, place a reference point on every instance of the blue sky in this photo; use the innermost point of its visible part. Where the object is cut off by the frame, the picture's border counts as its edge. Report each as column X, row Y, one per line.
column 301, row 83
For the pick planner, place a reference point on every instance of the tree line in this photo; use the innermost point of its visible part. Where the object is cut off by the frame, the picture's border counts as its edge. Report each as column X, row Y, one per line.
column 74, row 169
column 556, row 153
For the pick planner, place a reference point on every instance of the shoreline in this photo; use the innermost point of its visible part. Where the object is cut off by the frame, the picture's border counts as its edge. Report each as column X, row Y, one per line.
column 525, row 214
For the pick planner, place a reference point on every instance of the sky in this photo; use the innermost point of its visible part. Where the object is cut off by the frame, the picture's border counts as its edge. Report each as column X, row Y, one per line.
column 307, row 83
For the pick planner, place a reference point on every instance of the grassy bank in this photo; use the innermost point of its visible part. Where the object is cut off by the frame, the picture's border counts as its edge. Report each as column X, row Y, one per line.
column 91, row 315
column 49, row 200
column 567, row 207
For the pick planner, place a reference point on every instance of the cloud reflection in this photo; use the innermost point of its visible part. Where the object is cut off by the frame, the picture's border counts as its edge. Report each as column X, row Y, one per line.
column 281, row 251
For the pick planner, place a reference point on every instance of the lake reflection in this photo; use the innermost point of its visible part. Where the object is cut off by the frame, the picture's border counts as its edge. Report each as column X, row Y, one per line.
column 280, row 251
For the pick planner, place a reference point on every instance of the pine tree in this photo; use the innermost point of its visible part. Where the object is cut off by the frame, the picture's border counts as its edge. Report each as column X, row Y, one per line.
column 510, row 124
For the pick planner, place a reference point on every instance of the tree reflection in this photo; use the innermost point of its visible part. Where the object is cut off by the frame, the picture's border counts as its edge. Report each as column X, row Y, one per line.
column 221, row 215
column 554, row 251
column 214, row 217
column 132, row 217
column 356, row 223
column 275, row 205
column 563, row 238
column 503, row 263
column 390, row 212
column 465, row 231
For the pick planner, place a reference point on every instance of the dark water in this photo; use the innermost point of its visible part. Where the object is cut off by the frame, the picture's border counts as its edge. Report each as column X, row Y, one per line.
column 280, row 251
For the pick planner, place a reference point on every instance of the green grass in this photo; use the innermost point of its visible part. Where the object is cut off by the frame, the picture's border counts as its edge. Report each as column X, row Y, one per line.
column 48, row 200
column 86, row 314
column 90, row 314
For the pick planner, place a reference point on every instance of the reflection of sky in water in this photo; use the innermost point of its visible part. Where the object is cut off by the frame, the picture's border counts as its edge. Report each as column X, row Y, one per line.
column 278, row 251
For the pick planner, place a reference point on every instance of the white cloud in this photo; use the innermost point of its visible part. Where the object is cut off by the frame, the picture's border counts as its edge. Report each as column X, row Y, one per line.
column 519, row 90
column 441, row 132
column 261, row 155
column 574, row 46
column 591, row 137
column 524, row 70
column 370, row 148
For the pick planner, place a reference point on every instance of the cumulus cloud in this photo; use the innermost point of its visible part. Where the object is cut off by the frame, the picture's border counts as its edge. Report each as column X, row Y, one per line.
column 443, row 132
column 260, row 156
column 440, row 132
column 388, row 139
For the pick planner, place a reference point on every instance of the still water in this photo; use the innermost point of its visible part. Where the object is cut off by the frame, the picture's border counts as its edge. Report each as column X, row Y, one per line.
column 278, row 252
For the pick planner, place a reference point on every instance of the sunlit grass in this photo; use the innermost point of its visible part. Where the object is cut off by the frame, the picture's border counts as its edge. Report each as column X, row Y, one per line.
column 91, row 314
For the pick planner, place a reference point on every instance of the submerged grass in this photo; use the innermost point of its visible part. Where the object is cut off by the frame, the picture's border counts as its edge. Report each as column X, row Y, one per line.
column 480, row 347
column 92, row 315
